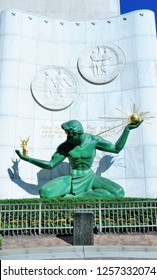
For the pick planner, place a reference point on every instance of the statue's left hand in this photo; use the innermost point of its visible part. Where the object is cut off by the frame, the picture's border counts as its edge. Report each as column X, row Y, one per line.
column 132, row 126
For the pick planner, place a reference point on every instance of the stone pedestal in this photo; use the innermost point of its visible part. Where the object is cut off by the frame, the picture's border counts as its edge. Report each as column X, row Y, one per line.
column 83, row 228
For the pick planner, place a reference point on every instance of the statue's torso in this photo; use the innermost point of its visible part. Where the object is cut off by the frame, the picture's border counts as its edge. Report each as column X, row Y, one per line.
column 82, row 156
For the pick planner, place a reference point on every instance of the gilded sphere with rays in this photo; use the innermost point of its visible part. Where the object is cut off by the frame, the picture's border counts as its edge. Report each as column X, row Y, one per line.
column 134, row 118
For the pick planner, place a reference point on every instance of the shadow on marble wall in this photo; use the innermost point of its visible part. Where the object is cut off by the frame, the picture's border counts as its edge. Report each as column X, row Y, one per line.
column 106, row 162
column 43, row 176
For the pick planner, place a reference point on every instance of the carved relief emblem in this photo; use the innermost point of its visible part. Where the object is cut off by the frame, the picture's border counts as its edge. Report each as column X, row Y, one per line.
column 101, row 64
column 54, row 88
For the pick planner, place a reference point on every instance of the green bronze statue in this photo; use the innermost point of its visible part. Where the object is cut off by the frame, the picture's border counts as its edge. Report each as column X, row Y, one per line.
column 80, row 148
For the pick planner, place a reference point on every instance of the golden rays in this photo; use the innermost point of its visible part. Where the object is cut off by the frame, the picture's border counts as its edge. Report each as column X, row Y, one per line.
column 128, row 118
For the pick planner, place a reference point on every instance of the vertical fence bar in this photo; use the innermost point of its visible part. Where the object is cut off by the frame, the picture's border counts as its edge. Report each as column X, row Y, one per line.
column 40, row 208
column 155, row 217
column 126, row 215
column 100, row 217
column 151, row 210
column 143, row 216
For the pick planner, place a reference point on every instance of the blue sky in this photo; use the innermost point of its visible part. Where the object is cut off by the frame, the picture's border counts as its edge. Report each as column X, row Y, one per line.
column 132, row 5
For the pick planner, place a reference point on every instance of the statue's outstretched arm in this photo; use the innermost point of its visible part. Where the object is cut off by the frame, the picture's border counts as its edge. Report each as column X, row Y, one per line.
column 119, row 145
column 123, row 138
column 56, row 159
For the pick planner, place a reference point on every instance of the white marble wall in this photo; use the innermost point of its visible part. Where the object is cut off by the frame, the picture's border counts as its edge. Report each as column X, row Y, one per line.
column 66, row 9
column 29, row 43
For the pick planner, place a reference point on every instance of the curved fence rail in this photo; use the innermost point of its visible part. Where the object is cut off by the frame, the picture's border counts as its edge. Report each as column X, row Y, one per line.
column 57, row 218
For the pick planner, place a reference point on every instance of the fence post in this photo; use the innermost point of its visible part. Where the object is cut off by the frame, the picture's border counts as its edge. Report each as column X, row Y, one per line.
column 40, row 217
column 100, row 218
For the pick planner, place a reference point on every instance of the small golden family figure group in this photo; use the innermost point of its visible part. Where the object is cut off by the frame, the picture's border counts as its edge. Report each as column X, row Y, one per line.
column 24, row 146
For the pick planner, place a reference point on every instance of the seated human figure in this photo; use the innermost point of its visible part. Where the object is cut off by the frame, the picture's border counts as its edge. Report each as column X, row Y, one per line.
column 80, row 148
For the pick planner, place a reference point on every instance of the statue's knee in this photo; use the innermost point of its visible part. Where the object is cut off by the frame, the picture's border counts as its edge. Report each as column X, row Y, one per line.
column 42, row 193
column 120, row 192
column 45, row 192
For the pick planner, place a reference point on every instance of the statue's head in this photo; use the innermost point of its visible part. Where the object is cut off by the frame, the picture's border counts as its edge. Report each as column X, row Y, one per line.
column 74, row 126
column 74, row 130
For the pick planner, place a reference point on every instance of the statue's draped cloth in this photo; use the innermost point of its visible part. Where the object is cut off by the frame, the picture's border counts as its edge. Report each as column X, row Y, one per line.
column 81, row 181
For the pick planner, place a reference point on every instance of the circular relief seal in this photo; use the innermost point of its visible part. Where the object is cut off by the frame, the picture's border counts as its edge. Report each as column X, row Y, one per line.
column 54, row 88
column 101, row 64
